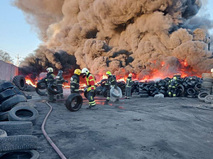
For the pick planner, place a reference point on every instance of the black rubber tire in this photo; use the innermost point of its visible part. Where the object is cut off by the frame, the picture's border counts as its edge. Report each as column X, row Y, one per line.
column 191, row 91
column 74, row 98
column 53, row 89
column 11, row 102
column 6, row 94
column 6, row 85
column 3, row 133
column 18, row 142
column 23, row 113
column 18, row 91
column 20, row 82
column 209, row 99
column 27, row 154
column 197, row 87
column 40, row 92
column 17, row 127
column 3, row 116
column 202, row 95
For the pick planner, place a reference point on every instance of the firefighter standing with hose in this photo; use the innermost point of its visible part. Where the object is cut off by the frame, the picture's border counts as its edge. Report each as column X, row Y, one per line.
column 172, row 87
column 90, row 80
column 128, row 88
column 74, row 81
column 111, row 82
column 50, row 78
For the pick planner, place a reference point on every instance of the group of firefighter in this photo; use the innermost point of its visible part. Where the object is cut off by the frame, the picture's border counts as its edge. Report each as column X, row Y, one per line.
column 90, row 82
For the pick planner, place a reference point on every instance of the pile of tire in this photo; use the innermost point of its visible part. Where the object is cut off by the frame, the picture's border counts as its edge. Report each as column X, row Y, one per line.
column 206, row 94
column 187, row 87
column 16, row 124
column 20, row 82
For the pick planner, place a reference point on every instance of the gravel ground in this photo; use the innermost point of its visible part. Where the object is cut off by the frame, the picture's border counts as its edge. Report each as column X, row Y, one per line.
column 137, row 128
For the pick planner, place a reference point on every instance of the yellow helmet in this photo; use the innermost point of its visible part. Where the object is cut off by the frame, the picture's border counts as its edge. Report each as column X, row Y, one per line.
column 108, row 73
column 77, row 71
column 49, row 69
column 130, row 75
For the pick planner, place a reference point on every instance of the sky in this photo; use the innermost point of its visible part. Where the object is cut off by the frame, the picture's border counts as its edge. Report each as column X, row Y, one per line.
column 18, row 38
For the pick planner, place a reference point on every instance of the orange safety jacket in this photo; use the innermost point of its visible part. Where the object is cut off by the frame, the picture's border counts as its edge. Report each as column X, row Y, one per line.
column 90, row 82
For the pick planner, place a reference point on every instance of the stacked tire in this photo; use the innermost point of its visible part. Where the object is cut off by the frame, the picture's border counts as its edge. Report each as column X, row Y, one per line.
column 16, row 134
column 206, row 88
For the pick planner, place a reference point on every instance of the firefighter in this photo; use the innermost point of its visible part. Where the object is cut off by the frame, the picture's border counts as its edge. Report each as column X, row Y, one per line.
column 74, row 81
column 111, row 82
column 172, row 87
column 59, row 81
column 50, row 78
column 128, row 90
column 90, row 79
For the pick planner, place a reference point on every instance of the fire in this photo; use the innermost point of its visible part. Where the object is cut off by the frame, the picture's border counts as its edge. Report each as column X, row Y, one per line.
column 29, row 82
column 184, row 70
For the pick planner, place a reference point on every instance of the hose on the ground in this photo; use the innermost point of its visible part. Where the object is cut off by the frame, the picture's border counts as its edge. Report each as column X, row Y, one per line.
column 48, row 138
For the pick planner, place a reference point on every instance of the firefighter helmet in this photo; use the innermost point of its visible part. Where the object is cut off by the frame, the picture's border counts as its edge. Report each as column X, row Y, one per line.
column 130, row 75
column 108, row 73
column 77, row 71
column 49, row 69
column 85, row 71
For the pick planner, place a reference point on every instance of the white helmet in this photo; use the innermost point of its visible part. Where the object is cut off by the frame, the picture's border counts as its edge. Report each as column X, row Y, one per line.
column 49, row 69
column 85, row 70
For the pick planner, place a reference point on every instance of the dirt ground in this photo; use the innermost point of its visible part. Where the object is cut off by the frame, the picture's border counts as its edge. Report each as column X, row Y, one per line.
column 137, row 128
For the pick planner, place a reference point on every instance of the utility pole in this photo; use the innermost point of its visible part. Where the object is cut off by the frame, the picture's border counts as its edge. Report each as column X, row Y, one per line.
column 17, row 60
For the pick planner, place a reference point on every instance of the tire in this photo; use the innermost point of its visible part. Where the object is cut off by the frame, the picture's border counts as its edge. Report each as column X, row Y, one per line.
column 206, row 75
column 197, row 87
column 11, row 102
column 209, row 99
column 116, row 92
column 41, row 92
column 20, row 82
column 202, row 95
column 27, row 154
column 191, row 91
column 74, row 102
column 23, row 113
column 53, row 89
column 3, row 133
column 17, row 127
column 3, row 116
column 6, row 94
column 18, row 91
column 6, row 85
column 18, row 142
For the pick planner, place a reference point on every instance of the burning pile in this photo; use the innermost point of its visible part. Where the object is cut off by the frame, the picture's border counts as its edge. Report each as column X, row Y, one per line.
column 144, row 37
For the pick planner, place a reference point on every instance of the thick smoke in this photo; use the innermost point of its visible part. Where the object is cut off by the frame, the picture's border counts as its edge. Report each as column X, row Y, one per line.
column 123, row 36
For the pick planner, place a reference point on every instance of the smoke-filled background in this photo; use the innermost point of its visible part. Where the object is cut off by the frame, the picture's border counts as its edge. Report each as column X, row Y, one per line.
column 139, row 36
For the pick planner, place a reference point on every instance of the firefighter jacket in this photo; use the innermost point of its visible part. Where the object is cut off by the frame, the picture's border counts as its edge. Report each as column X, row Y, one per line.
column 90, row 79
column 111, row 81
column 74, row 83
column 129, row 82
column 50, row 78
column 173, row 83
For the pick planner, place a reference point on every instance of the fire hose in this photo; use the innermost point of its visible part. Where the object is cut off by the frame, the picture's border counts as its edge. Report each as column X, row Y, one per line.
column 48, row 138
